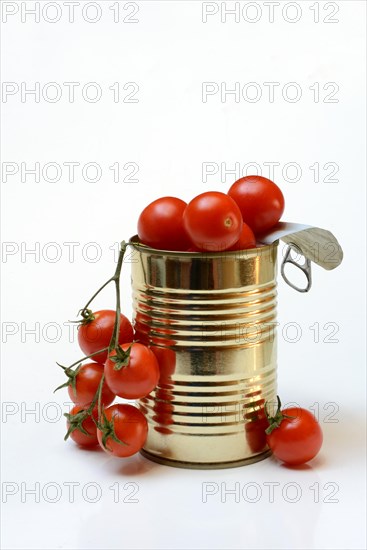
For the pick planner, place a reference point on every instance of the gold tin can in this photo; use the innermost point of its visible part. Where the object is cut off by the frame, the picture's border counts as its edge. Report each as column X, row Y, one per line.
column 210, row 319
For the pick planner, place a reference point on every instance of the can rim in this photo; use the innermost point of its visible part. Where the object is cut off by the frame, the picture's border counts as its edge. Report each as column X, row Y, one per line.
column 134, row 241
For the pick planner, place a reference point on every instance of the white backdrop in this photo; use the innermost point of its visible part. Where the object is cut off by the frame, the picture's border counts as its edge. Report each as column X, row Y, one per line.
column 132, row 101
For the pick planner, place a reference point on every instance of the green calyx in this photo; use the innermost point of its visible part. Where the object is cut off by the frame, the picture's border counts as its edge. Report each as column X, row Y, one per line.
column 121, row 358
column 75, row 422
column 87, row 316
column 71, row 374
column 107, row 428
column 276, row 420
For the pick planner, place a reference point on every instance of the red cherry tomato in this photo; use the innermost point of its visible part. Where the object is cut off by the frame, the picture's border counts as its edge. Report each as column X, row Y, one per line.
column 247, row 239
column 260, row 200
column 213, row 221
column 294, row 435
column 124, row 430
column 95, row 333
column 80, row 421
column 87, row 380
column 134, row 374
column 160, row 225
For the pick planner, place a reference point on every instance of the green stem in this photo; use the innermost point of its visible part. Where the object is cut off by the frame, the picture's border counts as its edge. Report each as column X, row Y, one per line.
column 96, row 397
column 82, row 359
column 84, row 312
column 276, row 420
column 108, row 430
column 116, row 329
column 76, row 420
column 116, row 277
column 99, row 397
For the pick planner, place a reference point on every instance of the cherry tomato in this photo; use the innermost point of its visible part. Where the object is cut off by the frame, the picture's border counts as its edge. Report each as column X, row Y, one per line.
column 260, row 200
column 132, row 372
column 87, row 380
column 160, row 225
column 213, row 221
column 96, row 331
column 294, row 435
column 247, row 239
column 123, row 430
column 78, row 420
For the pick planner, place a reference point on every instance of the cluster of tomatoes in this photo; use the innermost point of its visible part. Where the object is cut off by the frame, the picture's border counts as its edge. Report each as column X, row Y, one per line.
column 129, row 371
column 213, row 221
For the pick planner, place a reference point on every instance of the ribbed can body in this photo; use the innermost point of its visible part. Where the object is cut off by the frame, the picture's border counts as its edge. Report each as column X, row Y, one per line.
column 211, row 322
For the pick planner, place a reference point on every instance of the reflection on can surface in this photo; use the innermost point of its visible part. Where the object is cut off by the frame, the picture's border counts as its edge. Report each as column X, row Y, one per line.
column 211, row 321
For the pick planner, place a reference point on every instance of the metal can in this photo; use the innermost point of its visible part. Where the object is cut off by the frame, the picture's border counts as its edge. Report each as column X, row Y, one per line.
column 210, row 319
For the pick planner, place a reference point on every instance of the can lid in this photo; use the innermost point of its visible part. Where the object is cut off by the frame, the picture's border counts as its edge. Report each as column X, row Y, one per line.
column 314, row 243
column 317, row 245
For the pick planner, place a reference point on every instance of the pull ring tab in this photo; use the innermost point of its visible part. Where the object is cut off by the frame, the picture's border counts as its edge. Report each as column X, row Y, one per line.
column 305, row 267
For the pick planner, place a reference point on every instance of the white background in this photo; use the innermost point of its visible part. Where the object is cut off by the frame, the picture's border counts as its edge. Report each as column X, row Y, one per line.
column 169, row 133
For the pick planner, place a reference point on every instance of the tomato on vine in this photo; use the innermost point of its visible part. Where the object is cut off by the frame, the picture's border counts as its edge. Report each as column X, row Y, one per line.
column 95, row 332
column 132, row 371
column 122, row 430
column 83, row 383
column 82, row 426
